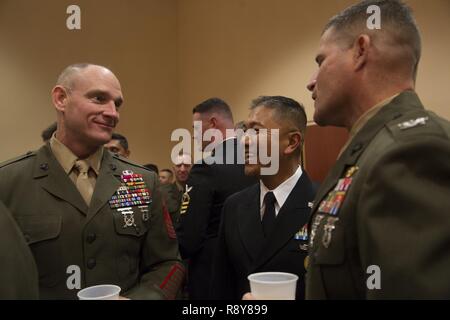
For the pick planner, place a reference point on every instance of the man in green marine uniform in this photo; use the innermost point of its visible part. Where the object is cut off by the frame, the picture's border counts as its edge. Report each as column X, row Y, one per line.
column 82, row 208
column 380, row 225
column 18, row 273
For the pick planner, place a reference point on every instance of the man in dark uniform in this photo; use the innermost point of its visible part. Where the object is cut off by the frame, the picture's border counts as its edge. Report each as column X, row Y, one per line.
column 18, row 273
column 208, row 186
column 88, row 216
column 264, row 226
column 380, row 226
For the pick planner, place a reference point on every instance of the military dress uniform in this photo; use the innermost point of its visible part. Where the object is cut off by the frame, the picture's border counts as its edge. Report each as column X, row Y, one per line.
column 122, row 237
column 18, row 273
column 380, row 224
column 244, row 248
column 207, row 188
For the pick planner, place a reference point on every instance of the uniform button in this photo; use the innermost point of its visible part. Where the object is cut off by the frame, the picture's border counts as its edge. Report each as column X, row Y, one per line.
column 91, row 237
column 91, row 263
column 44, row 166
column 27, row 237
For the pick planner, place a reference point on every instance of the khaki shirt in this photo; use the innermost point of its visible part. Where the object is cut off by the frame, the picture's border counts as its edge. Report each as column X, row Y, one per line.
column 364, row 119
column 67, row 160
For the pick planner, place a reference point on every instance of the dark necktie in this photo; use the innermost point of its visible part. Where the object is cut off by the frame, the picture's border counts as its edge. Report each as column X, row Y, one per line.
column 268, row 220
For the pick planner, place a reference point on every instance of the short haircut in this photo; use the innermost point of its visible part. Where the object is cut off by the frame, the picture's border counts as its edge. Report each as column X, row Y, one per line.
column 66, row 77
column 214, row 105
column 152, row 167
column 167, row 170
column 396, row 18
column 286, row 109
column 48, row 132
column 122, row 140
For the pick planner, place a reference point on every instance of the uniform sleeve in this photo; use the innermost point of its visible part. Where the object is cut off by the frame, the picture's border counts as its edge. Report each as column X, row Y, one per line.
column 193, row 224
column 223, row 282
column 403, row 220
column 162, row 271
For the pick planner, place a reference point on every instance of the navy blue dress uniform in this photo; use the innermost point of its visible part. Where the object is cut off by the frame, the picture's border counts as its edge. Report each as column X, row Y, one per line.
column 381, row 220
column 208, row 186
column 18, row 272
column 121, row 238
column 244, row 248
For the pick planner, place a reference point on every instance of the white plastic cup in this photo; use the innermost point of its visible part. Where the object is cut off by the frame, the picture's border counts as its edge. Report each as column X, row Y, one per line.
column 273, row 285
column 100, row 292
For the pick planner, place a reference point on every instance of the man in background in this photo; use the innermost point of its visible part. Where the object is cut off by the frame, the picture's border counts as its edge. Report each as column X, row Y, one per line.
column 207, row 188
column 119, row 145
column 165, row 176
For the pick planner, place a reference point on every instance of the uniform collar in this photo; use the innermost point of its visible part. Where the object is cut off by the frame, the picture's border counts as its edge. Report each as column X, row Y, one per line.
column 369, row 114
column 67, row 159
column 281, row 192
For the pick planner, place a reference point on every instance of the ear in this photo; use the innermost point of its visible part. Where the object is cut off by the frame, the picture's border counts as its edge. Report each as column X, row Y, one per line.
column 59, row 98
column 361, row 51
column 294, row 142
column 213, row 122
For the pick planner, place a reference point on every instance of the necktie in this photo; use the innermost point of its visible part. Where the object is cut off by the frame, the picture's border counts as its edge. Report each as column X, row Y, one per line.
column 268, row 220
column 82, row 183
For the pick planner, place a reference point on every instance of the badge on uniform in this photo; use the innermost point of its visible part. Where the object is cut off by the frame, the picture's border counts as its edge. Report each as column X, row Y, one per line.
column 132, row 192
column 185, row 200
column 328, row 229
column 302, row 236
column 335, row 198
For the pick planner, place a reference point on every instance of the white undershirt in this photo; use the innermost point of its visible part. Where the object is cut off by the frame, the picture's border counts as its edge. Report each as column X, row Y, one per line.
column 281, row 192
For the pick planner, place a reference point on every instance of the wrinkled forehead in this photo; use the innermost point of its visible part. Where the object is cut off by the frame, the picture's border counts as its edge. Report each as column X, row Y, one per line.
column 262, row 116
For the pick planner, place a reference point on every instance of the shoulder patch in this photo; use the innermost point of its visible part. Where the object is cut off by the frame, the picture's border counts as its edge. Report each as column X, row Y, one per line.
column 17, row 159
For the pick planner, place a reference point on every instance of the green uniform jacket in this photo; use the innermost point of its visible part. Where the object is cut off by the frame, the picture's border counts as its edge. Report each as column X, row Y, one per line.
column 18, row 273
column 388, row 235
column 62, row 231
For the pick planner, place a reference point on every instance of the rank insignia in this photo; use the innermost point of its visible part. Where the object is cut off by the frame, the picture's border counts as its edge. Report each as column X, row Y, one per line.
column 185, row 200
column 133, row 191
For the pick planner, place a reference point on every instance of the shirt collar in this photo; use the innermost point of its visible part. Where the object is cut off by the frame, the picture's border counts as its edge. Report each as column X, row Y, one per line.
column 283, row 191
column 67, row 159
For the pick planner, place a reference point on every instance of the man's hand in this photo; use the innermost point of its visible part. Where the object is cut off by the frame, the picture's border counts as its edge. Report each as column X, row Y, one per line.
column 248, row 296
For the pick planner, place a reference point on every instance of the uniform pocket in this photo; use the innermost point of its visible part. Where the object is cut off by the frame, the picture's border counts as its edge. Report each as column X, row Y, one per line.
column 42, row 232
column 133, row 222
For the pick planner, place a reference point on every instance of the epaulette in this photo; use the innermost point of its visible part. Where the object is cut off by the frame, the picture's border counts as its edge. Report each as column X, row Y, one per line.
column 421, row 122
column 17, row 159
column 125, row 160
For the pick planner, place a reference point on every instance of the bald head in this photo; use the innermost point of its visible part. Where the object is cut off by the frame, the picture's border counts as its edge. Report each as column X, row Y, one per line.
column 69, row 76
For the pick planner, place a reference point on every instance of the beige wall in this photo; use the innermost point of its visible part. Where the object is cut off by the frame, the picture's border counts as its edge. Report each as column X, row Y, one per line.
column 172, row 54
column 136, row 39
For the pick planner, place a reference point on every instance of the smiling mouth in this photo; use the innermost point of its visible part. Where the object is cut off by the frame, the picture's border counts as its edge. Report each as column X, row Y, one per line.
column 107, row 125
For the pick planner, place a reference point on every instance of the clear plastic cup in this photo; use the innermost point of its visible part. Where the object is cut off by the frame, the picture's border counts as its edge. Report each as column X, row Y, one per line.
column 100, row 292
column 273, row 285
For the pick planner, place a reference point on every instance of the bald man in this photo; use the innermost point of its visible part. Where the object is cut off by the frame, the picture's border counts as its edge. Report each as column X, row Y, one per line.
column 88, row 216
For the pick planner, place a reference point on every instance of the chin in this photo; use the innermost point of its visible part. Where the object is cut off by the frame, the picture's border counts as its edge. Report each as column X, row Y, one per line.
column 252, row 170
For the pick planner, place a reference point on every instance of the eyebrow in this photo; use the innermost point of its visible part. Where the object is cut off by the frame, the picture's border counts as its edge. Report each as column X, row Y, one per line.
column 117, row 102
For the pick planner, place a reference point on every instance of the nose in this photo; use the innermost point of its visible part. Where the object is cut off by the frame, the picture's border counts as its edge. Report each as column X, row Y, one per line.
column 312, row 82
column 111, row 112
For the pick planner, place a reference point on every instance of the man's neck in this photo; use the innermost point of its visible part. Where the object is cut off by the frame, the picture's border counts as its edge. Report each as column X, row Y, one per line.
column 285, row 172
column 81, row 150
